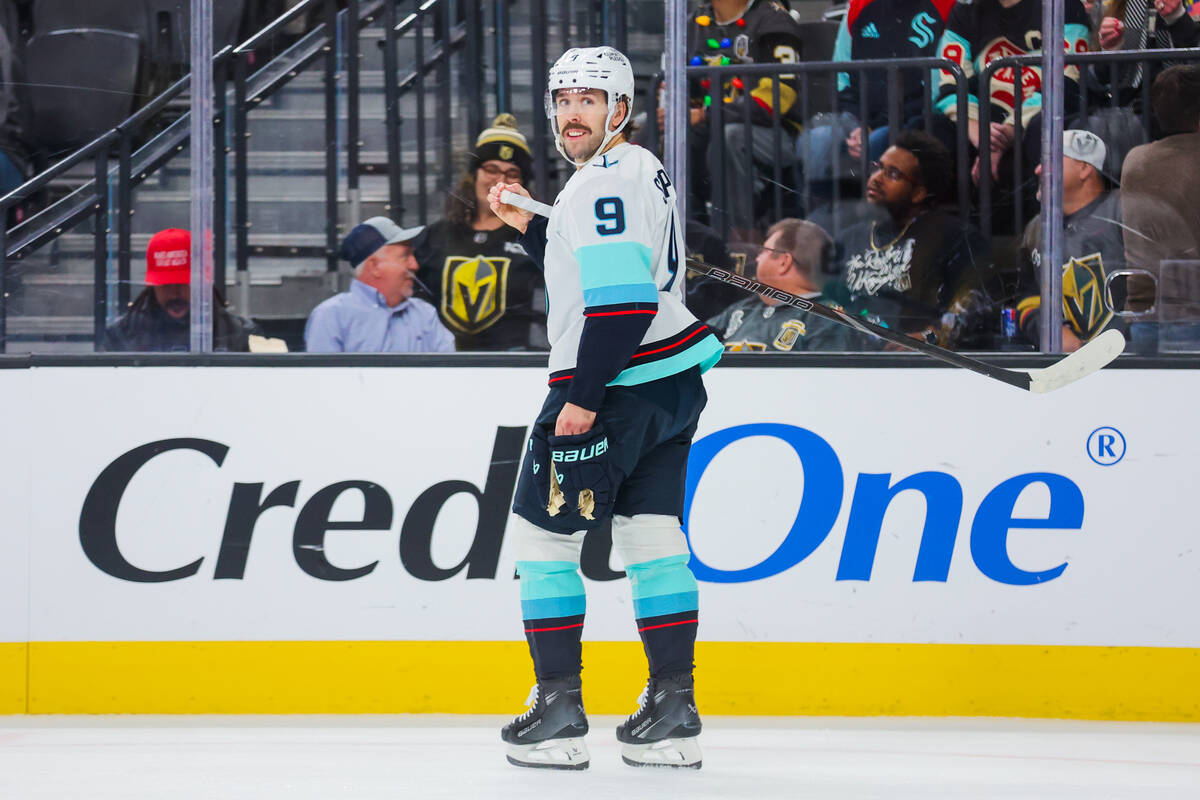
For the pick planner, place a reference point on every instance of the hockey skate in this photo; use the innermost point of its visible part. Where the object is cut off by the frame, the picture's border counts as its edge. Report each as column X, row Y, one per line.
column 663, row 731
column 550, row 733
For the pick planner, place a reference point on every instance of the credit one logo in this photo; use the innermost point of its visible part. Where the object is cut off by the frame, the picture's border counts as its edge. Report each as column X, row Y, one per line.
column 824, row 492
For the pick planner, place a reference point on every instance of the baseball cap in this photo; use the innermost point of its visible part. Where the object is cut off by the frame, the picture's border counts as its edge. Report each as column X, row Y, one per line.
column 369, row 236
column 1087, row 147
column 169, row 258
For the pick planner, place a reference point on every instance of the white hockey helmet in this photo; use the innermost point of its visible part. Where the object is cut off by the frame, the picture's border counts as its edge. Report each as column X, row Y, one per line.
column 604, row 68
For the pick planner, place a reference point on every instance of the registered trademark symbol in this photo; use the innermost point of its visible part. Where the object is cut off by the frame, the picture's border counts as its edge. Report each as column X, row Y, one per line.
column 1106, row 446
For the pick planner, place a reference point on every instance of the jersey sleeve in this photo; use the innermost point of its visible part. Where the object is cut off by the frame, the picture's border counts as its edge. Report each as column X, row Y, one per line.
column 956, row 46
column 610, row 235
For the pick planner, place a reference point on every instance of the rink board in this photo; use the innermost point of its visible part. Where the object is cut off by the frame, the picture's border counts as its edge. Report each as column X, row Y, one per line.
column 889, row 541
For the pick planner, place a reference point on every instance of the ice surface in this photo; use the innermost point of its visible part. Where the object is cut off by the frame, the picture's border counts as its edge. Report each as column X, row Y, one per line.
column 180, row 758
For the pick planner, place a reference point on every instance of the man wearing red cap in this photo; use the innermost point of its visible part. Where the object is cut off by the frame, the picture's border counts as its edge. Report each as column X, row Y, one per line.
column 158, row 319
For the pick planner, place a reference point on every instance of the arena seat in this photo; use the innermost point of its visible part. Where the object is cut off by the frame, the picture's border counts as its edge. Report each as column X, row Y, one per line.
column 170, row 33
column 74, row 102
column 128, row 16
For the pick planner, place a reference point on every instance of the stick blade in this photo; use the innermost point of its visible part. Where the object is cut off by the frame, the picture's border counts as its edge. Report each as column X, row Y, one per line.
column 1092, row 357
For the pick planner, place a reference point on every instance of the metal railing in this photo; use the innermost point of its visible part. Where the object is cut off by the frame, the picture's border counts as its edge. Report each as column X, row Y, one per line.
column 716, row 77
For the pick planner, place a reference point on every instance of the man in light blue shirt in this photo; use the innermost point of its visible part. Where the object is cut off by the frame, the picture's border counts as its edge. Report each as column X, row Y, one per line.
column 379, row 313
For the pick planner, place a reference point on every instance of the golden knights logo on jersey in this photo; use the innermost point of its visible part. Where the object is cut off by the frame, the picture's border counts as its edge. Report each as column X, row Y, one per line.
column 474, row 291
column 1083, row 295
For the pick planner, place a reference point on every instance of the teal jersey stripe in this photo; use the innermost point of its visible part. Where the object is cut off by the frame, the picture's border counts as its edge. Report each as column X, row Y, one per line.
column 551, row 607
column 706, row 352
column 614, row 264
column 626, row 293
column 663, row 604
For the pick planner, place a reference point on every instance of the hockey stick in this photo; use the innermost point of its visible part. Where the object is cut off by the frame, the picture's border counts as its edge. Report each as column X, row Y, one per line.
column 1092, row 357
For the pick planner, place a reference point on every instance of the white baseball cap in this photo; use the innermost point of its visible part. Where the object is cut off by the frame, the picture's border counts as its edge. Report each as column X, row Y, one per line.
column 1087, row 147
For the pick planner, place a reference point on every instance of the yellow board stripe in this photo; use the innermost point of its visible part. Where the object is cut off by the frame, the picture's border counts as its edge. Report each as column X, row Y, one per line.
column 13, row 672
column 1113, row 683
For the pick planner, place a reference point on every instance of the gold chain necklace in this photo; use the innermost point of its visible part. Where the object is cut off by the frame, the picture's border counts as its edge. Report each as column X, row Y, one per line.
column 899, row 235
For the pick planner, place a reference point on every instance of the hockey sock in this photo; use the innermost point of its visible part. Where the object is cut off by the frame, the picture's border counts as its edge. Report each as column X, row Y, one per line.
column 553, row 605
column 665, row 603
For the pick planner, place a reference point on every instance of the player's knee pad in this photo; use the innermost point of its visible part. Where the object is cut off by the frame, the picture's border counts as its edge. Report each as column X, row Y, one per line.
column 531, row 543
column 656, row 554
column 548, row 564
column 648, row 537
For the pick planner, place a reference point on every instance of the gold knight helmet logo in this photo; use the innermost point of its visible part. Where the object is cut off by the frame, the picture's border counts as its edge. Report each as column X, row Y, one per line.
column 473, row 292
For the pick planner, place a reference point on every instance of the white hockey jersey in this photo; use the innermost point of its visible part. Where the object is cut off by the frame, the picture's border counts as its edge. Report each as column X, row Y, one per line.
column 615, row 249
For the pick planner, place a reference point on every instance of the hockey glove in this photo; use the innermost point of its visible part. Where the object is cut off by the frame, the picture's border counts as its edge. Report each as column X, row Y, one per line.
column 580, row 478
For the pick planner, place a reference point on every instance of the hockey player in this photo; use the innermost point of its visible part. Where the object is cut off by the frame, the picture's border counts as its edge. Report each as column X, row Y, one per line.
column 613, row 436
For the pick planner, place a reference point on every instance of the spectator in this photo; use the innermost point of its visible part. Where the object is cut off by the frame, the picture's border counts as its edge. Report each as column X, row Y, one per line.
column 918, row 268
column 487, row 289
column 789, row 260
column 743, row 32
column 981, row 32
column 872, row 29
column 159, row 319
column 1180, row 22
column 379, row 313
column 1160, row 202
column 1092, row 245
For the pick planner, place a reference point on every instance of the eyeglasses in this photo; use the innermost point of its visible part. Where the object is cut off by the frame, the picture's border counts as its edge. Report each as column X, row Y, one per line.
column 774, row 250
column 891, row 173
column 511, row 175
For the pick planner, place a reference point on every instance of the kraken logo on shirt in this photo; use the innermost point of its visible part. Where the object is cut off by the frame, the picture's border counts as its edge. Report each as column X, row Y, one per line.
column 473, row 292
column 1083, row 295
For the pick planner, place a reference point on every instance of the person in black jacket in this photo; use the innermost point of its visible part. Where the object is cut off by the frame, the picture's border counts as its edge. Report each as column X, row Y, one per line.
column 832, row 143
column 158, row 319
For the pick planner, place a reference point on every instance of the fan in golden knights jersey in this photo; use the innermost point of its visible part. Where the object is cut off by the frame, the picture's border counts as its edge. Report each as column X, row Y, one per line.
column 1093, row 245
column 612, row 438
column 488, row 291
column 790, row 259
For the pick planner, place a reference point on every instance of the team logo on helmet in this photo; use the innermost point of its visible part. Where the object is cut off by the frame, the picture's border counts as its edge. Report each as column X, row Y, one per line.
column 474, row 291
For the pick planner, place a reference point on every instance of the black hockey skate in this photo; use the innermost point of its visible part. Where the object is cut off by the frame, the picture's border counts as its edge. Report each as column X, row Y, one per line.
column 663, row 731
column 550, row 732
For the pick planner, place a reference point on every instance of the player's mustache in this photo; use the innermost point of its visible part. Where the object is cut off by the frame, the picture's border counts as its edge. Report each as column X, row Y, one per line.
column 576, row 127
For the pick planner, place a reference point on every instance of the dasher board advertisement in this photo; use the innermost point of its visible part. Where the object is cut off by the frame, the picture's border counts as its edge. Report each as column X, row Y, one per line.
column 824, row 505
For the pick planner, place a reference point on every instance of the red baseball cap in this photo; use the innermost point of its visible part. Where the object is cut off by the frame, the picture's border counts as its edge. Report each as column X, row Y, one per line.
column 169, row 258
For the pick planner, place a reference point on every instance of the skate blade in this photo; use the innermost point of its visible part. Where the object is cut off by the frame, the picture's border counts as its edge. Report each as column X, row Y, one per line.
column 683, row 753
column 550, row 754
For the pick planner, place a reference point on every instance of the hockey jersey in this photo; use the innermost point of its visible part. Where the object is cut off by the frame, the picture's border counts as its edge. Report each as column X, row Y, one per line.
column 978, row 33
column 488, row 291
column 1094, row 246
column 752, row 326
column 764, row 33
column 887, row 29
column 614, row 270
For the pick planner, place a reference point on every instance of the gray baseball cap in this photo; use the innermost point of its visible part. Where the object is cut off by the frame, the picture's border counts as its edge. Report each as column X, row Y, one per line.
column 1089, row 148
column 367, row 237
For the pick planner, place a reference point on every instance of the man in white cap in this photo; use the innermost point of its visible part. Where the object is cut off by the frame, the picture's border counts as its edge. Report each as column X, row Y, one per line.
column 378, row 314
column 1093, row 244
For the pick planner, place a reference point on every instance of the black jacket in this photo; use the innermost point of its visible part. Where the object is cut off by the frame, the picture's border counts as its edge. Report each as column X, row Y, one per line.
column 146, row 328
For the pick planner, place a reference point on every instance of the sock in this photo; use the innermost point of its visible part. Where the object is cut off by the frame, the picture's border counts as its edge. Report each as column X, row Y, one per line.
column 665, row 604
column 553, row 606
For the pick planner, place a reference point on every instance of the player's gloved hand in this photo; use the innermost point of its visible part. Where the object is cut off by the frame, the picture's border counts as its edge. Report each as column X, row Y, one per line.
column 544, row 480
column 580, row 476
